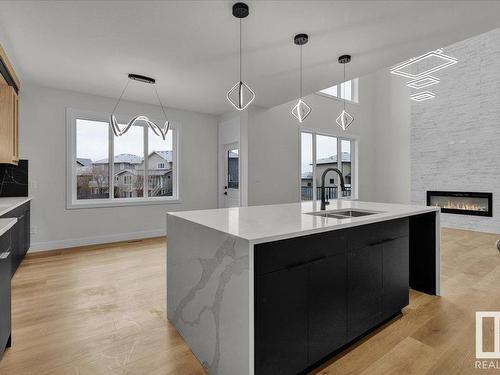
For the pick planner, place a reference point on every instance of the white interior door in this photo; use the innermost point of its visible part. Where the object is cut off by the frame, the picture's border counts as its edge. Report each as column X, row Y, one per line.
column 231, row 182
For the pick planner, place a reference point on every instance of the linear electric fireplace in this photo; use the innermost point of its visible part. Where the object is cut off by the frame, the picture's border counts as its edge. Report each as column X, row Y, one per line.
column 462, row 203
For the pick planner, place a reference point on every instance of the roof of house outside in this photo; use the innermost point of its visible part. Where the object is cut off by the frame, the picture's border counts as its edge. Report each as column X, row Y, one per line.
column 167, row 155
column 84, row 161
column 122, row 158
column 346, row 157
column 131, row 171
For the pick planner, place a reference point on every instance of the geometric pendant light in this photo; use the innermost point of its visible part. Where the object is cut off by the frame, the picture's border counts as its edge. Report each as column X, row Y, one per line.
column 157, row 129
column 345, row 118
column 240, row 95
column 301, row 109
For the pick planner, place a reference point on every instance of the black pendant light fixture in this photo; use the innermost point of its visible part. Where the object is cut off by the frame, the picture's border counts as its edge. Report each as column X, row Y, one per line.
column 240, row 95
column 301, row 109
column 345, row 118
column 157, row 129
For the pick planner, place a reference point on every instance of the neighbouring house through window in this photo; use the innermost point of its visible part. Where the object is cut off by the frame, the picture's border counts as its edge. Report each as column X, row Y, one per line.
column 319, row 152
column 143, row 165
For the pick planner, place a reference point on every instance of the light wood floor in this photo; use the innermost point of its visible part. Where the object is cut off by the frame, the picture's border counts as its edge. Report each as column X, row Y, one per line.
column 101, row 310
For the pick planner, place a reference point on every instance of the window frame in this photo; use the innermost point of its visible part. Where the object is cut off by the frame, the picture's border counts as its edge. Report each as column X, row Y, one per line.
column 354, row 92
column 354, row 161
column 72, row 115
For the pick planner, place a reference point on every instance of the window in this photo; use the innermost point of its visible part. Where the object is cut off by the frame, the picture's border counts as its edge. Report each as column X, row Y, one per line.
column 137, row 168
column 233, row 164
column 347, row 90
column 161, row 156
column 319, row 152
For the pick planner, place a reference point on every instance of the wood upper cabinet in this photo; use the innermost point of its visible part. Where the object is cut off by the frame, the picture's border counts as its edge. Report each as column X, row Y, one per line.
column 9, row 111
column 9, row 125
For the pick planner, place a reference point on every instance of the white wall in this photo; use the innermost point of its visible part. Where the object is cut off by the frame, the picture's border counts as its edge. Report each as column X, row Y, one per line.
column 392, row 138
column 43, row 142
column 273, row 143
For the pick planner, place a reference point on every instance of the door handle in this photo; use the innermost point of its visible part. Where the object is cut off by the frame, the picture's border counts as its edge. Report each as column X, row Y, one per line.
column 382, row 242
column 301, row 264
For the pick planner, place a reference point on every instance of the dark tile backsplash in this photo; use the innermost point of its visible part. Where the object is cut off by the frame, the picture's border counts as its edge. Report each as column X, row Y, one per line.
column 14, row 179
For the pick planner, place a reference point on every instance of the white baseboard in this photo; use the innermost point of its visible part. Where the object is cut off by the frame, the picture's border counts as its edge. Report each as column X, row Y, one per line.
column 64, row 244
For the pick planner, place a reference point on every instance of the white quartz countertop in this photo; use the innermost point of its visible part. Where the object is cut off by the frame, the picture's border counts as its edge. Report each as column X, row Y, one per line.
column 7, row 204
column 279, row 221
column 6, row 224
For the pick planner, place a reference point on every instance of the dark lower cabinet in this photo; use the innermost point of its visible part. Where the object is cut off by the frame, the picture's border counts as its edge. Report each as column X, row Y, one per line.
column 327, row 311
column 5, row 308
column 281, row 321
column 20, row 234
column 316, row 294
column 396, row 276
column 364, row 289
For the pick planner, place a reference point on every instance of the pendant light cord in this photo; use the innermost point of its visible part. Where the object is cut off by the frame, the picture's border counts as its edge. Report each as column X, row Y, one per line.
column 343, row 94
column 300, row 71
column 159, row 101
column 240, row 50
column 120, row 98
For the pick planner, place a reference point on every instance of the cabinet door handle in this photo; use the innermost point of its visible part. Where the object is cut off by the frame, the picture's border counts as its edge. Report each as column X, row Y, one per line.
column 382, row 242
column 301, row 264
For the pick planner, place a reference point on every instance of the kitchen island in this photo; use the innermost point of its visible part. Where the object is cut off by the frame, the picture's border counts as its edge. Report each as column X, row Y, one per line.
column 279, row 289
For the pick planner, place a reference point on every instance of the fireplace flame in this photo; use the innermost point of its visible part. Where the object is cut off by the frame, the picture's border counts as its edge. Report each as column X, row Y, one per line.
column 461, row 206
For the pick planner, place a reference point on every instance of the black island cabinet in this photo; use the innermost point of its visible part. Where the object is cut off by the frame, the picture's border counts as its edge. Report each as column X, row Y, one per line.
column 316, row 294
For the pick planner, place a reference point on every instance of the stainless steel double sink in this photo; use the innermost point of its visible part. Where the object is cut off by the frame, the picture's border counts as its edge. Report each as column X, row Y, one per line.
column 344, row 214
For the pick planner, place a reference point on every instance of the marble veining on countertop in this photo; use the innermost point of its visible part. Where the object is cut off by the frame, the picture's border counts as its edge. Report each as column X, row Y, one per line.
column 7, row 204
column 278, row 221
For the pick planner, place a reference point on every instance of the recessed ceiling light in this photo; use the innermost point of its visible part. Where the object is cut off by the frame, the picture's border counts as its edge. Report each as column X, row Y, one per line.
column 421, row 96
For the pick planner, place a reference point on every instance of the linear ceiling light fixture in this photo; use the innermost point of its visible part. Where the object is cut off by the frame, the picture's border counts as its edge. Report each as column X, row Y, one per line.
column 301, row 109
column 421, row 96
column 422, row 82
column 240, row 95
column 404, row 69
column 345, row 118
column 157, row 129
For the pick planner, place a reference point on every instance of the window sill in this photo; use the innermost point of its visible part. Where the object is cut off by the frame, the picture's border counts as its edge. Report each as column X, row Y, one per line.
column 121, row 202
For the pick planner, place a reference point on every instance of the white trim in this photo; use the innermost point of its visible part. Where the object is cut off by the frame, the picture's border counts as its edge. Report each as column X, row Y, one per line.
column 97, row 240
column 72, row 203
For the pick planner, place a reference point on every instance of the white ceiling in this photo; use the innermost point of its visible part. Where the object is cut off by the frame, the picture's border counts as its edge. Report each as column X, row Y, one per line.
column 190, row 47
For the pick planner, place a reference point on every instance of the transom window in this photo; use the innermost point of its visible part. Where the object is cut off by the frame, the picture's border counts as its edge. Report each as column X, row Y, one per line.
column 138, row 167
column 347, row 90
column 319, row 152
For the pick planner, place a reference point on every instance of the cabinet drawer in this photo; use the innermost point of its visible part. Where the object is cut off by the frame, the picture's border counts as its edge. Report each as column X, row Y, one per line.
column 277, row 255
column 373, row 234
